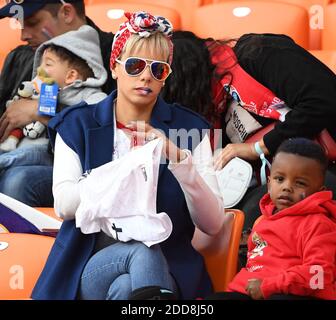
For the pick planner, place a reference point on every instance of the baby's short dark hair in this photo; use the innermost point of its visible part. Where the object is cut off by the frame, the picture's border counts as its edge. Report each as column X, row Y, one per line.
column 73, row 60
column 305, row 148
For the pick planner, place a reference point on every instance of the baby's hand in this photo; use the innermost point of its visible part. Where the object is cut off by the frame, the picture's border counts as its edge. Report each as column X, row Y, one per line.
column 253, row 289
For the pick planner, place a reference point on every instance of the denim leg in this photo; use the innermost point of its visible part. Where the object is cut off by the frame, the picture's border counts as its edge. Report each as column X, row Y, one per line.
column 26, row 156
column 31, row 185
column 120, row 288
column 101, row 278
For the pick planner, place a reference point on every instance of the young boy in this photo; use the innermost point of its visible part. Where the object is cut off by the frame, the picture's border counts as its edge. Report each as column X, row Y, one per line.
column 292, row 250
column 78, row 72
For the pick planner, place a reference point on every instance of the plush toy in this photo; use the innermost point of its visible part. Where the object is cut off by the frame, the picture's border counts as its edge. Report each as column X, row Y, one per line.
column 28, row 90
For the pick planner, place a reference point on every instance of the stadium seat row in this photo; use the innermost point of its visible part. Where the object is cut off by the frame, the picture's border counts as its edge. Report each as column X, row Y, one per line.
column 19, row 271
column 311, row 23
column 313, row 16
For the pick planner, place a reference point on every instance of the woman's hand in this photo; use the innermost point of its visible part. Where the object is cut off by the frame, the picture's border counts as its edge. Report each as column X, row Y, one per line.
column 144, row 132
column 241, row 150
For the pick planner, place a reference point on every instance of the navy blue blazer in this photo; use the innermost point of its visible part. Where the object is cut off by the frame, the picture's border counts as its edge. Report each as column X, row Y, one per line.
column 89, row 130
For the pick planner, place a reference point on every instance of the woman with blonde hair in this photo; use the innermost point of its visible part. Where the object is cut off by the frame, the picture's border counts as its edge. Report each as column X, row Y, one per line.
column 94, row 266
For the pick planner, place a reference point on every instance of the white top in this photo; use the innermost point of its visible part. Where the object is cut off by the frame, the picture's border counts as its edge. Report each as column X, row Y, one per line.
column 205, row 207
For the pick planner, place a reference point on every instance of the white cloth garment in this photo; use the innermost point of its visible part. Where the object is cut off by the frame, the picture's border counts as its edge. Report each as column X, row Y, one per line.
column 206, row 209
column 119, row 198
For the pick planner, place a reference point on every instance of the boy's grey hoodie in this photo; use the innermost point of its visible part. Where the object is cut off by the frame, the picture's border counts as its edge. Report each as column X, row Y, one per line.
column 84, row 43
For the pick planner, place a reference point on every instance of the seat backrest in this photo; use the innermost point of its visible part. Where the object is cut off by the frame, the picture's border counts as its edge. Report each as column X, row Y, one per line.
column 109, row 16
column 183, row 7
column 315, row 9
column 328, row 57
column 329, row 31
column 21, row 263
column 10, row 37
column 324, row 138
column 233, row 19
column 49, row 211
column 220, row 252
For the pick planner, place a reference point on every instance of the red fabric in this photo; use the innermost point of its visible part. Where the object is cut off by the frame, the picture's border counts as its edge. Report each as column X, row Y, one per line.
column 121, row 126
column 251, row 94
column 135, row 141
column 18, row 133
column 287, row 244
column 143, row 24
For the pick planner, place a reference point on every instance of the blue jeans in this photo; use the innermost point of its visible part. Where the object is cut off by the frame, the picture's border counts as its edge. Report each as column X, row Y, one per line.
column 26, row 156
column 26, row 175
column 31, row 185
column 117, row 270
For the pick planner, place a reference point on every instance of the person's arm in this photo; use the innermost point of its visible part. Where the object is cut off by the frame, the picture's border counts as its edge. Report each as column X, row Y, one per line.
column 304, row 83
column 317, row 269
column 245, row 151
column 17, row 67
column 66, row 175
column 205, row 207
column 299, row 79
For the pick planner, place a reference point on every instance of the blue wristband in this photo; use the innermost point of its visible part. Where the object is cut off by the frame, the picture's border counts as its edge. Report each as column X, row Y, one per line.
column 264, row 162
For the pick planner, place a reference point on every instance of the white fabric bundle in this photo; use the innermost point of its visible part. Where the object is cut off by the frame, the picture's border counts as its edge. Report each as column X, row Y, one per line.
column 119, row 198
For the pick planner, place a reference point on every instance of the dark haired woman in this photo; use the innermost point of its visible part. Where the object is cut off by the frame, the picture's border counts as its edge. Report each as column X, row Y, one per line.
column 244, row 85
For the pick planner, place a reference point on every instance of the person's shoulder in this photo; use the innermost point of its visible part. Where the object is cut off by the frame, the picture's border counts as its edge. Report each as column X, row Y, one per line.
column 189, row 117
column 317, row 223
column 76, row 109
column 20, row 54
column 266, row 37
column 24, row 48
column 106, row 36
column 72, row 114
column 265, row 41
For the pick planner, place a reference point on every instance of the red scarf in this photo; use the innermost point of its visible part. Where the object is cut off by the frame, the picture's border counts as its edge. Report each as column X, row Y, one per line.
column 251, row 95
column 134, row 141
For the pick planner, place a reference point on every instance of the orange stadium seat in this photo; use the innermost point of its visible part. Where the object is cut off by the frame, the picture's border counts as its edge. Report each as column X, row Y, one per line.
column 304, row 3
column 48, row 211
column 10, row 37
column 183, row 7
column 329, row 31
column 328, row 57
column 22, row 257
column 314, row 8
column 221, row 251
column 232, row 19
column 109, row 16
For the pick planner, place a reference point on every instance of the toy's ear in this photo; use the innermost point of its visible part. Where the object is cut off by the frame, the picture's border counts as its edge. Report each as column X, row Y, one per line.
column 71, row 76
